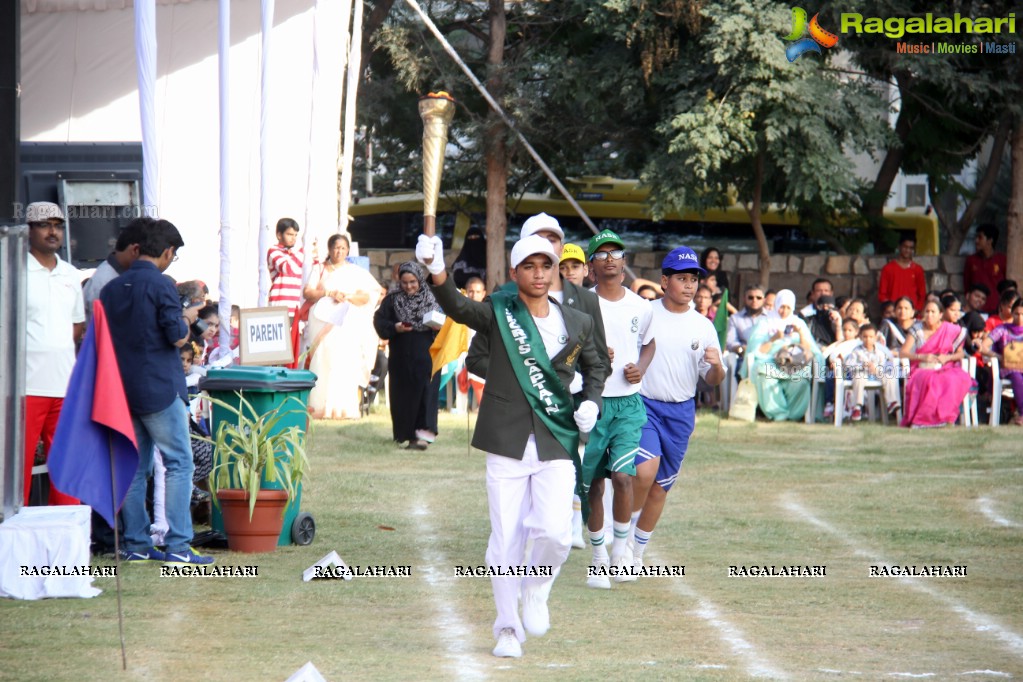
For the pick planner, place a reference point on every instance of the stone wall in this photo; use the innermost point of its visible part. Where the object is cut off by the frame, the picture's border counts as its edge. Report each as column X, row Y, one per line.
column 851, row 275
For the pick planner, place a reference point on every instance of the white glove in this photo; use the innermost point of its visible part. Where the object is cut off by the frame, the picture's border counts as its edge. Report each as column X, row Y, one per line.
column 430, row 249
column 586, row 416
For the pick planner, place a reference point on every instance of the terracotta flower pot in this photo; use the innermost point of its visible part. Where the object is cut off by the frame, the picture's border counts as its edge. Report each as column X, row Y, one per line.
column 261, row 533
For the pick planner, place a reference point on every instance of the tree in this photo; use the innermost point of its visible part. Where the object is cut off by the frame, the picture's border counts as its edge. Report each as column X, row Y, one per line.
column 949, row 106
column 570, row 90
column 740, row 120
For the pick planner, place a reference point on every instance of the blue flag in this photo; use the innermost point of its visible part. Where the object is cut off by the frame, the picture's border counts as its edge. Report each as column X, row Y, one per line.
column 94, row 454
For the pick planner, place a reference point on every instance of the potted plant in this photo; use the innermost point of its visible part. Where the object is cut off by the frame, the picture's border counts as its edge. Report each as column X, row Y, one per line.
column 251, row 450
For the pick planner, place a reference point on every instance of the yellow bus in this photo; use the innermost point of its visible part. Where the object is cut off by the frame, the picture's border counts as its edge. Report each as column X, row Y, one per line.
column 394, row 220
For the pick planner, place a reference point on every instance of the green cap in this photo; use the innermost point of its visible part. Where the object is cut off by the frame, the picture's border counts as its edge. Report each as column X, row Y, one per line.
column 605, row 237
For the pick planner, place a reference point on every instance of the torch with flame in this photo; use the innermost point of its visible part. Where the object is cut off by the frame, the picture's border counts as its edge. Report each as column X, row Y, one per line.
column 436, row 109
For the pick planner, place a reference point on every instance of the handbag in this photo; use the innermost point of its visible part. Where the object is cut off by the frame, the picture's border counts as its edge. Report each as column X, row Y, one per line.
column 744, row 404
column 792, row 358
column 1013, row 356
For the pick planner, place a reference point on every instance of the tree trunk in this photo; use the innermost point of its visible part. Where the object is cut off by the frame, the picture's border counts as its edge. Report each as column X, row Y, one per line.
column 754, row 210
column 496, row 154
column 877, row 195
column 958, row 227
column 1014, row 219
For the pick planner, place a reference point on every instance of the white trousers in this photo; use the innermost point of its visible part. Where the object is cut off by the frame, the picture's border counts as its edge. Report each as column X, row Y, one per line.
column 889, row 385
column 528, row 499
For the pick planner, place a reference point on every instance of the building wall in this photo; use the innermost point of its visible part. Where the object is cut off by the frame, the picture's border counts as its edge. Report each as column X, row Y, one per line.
column 850, row 275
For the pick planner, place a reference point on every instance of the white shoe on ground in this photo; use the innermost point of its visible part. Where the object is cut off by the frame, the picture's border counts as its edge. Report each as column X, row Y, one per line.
column 536, row 617
column 599, row 577
column 577, row 539
column 623, row 568
column 508, row 645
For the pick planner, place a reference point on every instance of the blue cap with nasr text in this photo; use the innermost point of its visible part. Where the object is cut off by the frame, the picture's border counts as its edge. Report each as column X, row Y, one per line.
column 681, row 259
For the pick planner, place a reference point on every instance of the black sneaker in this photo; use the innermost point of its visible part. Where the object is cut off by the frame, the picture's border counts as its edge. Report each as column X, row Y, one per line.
column 187, row 556
column 146, row 555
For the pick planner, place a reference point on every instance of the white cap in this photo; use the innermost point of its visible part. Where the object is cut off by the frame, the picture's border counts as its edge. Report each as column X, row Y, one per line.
column 40, row 211
column 540, row 222
column 528, row 246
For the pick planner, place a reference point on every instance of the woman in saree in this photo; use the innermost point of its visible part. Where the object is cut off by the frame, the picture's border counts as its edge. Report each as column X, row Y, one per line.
column 412, row 387
column 937, row 384
column 894, row 332
column 780, row 357
column 342, row 342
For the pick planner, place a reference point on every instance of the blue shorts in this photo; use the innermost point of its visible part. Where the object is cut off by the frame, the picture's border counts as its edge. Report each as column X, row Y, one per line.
column 666, row 435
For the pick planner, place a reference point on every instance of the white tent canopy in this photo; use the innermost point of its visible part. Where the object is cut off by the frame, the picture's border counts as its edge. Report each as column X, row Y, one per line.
column 79, row 84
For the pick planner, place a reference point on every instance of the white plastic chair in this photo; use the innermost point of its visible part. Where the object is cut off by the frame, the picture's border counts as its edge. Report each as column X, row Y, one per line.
column 873, row 395
column 999, row 388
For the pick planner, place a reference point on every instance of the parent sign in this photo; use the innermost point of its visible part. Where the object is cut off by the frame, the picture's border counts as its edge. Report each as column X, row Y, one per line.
column 265, row 337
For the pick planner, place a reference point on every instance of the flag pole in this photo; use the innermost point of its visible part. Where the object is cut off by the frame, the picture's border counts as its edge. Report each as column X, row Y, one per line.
column 117, row 551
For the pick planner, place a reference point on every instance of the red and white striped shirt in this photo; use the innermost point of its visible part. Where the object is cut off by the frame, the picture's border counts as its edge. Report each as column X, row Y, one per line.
column 285, row 277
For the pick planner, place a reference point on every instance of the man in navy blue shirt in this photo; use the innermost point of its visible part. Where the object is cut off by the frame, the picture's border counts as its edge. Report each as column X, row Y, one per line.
column 148, row 325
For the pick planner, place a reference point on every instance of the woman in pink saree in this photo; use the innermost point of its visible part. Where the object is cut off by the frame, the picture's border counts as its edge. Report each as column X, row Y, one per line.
column 937, row 384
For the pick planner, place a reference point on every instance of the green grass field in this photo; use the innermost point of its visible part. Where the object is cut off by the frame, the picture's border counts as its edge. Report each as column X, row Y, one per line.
column 763, row 494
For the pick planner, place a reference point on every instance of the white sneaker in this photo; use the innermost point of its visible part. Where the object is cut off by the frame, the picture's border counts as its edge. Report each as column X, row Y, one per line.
column 536, row 618
column 577, row 539
column 599, row 577
column 623, row 569
column 508, row 645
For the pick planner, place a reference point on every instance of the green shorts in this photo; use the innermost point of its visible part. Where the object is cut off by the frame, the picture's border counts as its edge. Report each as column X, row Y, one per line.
column 614, row 441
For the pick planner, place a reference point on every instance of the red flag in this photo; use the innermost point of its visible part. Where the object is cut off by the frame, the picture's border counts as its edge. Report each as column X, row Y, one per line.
column 94, row 454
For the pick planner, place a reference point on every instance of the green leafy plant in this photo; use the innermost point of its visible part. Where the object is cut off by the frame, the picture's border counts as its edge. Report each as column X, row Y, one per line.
column 249, row 450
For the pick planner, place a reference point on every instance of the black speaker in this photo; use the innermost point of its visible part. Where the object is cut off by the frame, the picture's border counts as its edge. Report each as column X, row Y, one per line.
column 10, row 130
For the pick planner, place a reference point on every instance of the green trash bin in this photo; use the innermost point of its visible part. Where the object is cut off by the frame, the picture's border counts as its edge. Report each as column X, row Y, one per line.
column 267, row 389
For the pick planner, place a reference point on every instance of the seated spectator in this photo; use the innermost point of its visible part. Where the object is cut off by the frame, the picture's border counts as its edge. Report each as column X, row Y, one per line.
column 824, row 322
column 937, row 384
column 895, row 332
column 710, row 260
column 887, row 310
column 1004, row 314
column 204, row 330
column 779, row 359
column 740, row 325
column 953, row 308
column 974, row 323
column 646, row 288
column 871, row 361
column 703, row 301
column 976, row 299
column 1009, row 337
column 820, row 287
column 856, row 310
column 769, row 297
column 1007, row 285
column 472, row 259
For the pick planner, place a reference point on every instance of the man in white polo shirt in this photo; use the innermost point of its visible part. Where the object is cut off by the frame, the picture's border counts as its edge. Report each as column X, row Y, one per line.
column 55, row 321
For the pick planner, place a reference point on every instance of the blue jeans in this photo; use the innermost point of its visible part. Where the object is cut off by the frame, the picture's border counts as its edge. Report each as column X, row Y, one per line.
column 167, row 430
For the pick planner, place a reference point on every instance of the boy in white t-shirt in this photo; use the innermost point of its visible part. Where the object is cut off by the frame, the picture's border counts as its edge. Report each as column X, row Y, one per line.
column 688, row 349
column 614, row 441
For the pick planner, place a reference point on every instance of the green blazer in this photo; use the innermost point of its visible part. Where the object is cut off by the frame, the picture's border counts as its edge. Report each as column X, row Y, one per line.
column 505, row 417
column 574, row 297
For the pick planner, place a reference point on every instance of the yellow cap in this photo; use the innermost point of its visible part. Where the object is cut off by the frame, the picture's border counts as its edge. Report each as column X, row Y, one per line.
column 572, row 252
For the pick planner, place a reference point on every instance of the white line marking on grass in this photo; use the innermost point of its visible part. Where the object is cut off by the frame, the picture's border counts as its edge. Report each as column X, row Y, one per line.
column 755, row 664
column 452, row 628
column 987, row 508
column 995, row 673
column 911, row 674
column 979, row 621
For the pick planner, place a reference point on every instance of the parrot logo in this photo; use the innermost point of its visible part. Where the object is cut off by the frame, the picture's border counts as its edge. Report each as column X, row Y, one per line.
column 818, row 36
